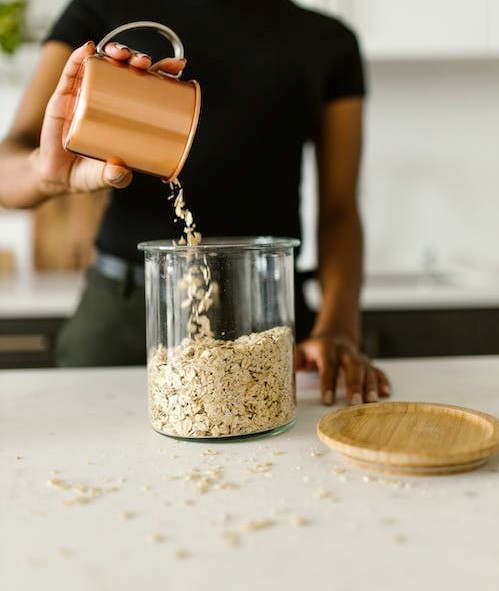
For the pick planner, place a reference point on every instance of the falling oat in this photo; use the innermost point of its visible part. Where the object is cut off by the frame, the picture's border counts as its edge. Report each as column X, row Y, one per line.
column 207, row 387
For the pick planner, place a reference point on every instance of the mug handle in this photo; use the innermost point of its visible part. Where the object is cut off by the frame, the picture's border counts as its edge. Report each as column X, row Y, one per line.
column 178, row 48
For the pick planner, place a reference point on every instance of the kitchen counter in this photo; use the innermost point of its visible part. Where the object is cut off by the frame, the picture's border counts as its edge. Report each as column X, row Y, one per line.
column 92, row 498
column 41, row 295
column 404, row 314
column 413, row 291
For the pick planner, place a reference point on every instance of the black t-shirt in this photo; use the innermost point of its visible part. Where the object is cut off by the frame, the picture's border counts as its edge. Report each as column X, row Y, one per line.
column 266, row 68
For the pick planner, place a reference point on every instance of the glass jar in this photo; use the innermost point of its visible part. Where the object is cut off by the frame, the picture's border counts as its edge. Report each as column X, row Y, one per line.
column 220, row 336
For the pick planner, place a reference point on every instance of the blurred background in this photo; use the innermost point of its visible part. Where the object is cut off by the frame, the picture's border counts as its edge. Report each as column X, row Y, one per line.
column 429, row 187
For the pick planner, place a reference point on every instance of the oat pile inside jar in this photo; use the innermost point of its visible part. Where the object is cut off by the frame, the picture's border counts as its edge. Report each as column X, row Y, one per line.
column 210, row 387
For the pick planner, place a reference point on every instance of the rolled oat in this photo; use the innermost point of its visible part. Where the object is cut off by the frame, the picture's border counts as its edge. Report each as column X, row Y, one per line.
column 207, row 387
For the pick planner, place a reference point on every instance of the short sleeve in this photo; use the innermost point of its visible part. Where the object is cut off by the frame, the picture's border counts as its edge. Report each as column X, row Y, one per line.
column 346, row 76
column 80, row 22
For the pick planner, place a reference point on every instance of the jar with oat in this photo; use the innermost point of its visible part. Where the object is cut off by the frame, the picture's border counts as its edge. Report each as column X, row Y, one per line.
column 220, row 337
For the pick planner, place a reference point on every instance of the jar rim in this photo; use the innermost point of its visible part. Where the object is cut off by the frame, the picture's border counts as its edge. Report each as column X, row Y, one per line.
column 221, row 243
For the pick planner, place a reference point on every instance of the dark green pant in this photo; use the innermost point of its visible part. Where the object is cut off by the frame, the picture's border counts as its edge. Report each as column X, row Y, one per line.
column 108, row 327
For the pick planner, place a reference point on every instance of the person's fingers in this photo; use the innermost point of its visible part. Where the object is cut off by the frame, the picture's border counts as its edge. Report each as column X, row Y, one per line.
column 327, row 375
column 89, row 175
column 172, row 65
column 53, row 161
column 122, row 53
column 340, row 386
column 330, row 393
column 118, row 51
column 305, row 358
column 140, row 60
column 371, row 385
column 384, row 388
column 300, row 359
column 116, row 175
column 354, row 377
column 66, row 81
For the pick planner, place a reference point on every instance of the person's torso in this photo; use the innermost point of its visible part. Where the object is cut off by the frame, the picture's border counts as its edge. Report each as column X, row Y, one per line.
column 261, row 66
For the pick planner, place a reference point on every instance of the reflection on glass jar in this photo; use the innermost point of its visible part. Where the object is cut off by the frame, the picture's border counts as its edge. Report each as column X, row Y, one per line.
column 220, row 336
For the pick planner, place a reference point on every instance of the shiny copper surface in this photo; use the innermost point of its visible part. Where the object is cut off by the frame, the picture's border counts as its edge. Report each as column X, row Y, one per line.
column 142, row 119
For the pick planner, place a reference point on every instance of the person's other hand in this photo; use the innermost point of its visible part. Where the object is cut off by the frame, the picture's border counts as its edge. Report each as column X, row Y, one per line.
column 62, row 172
column 343, row 370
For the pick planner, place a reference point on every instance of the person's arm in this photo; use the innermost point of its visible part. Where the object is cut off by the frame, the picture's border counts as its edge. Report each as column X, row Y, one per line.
column 340, row 232
column 33, row 163
column 20, row 182
column 333, row 346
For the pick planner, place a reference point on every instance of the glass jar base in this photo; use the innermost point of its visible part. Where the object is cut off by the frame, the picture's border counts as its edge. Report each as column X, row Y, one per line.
column 233, row 438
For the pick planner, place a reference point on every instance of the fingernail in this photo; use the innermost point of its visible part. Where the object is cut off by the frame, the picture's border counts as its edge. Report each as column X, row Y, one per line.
column 118, row 178
column 142, row 55
column 372, row 396
column 356, row 398
column 121, row 46
column 328, row 397
column 387, row 390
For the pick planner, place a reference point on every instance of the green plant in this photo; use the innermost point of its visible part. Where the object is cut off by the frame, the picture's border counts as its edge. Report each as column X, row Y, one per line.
column 11, row 25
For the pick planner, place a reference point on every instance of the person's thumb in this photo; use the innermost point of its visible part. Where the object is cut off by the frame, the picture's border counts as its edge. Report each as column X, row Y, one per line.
column 116, row 176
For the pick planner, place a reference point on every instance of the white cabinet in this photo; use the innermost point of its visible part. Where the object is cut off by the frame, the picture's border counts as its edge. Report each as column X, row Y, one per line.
column 420, row 29
column 423, row 28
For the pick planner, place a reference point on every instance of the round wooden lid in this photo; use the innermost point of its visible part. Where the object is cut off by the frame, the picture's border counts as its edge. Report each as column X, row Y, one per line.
column 411, row 437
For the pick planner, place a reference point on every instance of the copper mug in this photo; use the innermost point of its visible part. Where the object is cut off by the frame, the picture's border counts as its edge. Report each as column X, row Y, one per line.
column 142, row 119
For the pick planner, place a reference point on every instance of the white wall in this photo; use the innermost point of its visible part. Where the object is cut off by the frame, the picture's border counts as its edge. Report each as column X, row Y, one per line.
column 431, row 170
column 430, row 175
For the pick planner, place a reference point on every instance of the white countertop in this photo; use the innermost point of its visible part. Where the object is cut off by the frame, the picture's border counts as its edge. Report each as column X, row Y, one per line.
column 39, row 295
column 149, row 527
column 406, row 291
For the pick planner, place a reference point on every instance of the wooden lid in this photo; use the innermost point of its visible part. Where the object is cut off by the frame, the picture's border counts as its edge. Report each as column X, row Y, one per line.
column 411, row 437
